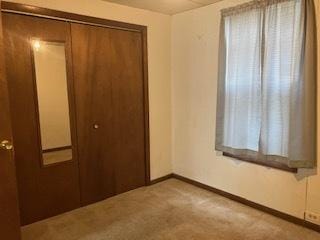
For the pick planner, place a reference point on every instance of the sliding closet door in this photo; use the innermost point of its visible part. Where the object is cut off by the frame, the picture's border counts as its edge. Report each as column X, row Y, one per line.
column 108, row 68
column 39, row 73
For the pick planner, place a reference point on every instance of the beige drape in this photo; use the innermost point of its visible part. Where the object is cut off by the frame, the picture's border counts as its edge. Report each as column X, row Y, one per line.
column 267, row 82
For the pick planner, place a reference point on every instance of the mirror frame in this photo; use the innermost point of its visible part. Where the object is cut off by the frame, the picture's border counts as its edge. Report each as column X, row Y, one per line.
column 71, row 100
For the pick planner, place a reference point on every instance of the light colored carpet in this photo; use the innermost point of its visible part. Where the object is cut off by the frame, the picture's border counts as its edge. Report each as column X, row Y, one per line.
column 171, row 210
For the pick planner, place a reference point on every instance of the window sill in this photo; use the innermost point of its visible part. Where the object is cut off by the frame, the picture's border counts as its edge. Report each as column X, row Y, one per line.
column 275, row 165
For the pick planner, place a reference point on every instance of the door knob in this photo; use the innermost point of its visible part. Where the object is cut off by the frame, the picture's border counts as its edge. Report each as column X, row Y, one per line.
column 95, row 126
column 6, row 145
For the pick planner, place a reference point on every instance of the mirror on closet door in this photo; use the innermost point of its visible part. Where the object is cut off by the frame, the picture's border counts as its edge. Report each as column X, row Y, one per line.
column 52, row 97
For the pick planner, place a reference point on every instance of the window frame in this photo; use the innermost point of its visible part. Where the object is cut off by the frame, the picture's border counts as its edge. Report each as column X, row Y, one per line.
column 269, row 164
column 266, row 163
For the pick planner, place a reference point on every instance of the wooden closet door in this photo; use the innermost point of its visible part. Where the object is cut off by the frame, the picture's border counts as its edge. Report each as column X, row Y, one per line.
column 108, row 68
column 48, row 190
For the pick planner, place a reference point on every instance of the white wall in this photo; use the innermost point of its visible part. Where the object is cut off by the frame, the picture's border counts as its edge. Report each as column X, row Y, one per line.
column 159, row 46
column 313, row 197
column 195, row 46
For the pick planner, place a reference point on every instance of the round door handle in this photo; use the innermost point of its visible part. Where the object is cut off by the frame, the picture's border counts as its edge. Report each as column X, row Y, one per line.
column 6, row 145
column 95, row 126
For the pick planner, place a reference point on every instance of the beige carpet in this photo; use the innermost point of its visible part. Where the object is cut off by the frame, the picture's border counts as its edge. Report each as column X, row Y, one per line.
column 170, row 210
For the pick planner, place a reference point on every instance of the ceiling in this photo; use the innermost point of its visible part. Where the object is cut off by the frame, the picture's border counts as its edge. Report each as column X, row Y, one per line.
column 169, row 7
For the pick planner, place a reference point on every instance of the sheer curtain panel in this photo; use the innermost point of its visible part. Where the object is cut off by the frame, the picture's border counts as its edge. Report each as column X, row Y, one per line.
column 266, row 107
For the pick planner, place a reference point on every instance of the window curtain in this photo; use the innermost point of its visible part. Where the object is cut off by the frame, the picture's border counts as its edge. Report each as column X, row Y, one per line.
column 266, row 106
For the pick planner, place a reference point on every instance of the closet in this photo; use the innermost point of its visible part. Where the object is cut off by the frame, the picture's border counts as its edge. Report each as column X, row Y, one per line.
column 79, row 106
column 110, row 113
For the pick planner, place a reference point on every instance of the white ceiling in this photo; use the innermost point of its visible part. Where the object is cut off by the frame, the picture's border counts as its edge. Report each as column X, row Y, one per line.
column 165, row 6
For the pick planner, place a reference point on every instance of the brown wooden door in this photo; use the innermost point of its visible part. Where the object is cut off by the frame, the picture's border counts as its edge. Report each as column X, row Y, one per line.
column 108, row 68
column 44, row 191
column 9, row 210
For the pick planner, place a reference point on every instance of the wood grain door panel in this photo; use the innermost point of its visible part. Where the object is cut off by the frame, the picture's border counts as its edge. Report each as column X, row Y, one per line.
column 93, row 102
column 50, row 190
column 128, row 143
column 108, row 67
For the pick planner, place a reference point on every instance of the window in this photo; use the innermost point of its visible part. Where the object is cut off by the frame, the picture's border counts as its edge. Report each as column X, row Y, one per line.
column 266, row 110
